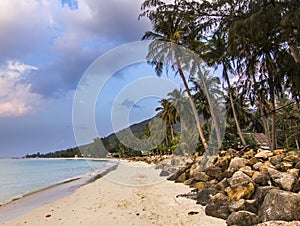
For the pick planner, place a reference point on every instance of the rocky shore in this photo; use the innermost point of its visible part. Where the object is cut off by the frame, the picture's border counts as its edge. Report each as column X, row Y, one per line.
column 249, row 187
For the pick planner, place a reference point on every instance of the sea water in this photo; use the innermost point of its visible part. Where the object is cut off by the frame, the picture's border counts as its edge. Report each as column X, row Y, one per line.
column 22, row 176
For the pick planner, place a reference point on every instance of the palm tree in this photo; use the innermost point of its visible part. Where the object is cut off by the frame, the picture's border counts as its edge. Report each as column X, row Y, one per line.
column 169, row 114
column 170, row 32
column 208, row 93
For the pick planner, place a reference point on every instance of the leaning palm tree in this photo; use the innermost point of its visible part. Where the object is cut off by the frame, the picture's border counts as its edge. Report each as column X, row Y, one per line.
column 209, row 97
column 169, row 35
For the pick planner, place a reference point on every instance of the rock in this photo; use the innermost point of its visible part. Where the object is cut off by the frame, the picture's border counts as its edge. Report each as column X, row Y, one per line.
column 189, row 182
column 225, row 174
column 223, row 162
column 260, row 194
column 174, row 176
column 280, row 223
column 285, row 166
column 181, row 178
column 281, row 179
column 296, row 187
column 237, row 163
column 213, row 171
column 258, row 166
column 204, row 196
column 264, row 154
column 280, row 205
column 218, row 206
column 253, row 161
column 294, row 172
column 297, row 166
column 261, row 178
column 293, row 157
column 277, row 159
column 247, row 170
column 243, row 191
column 279, row 151
column 242, row 218
column 242, row 204
column 249, row 154
column 212, row 182
column 221, row 186
column 239, row 178
column 164, row 173
column 201, row 176
column 200, row 185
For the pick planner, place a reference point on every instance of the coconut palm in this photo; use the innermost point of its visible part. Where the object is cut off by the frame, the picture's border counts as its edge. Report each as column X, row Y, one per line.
column 170, row 32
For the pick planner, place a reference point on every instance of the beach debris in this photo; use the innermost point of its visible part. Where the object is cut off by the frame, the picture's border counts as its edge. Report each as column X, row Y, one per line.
column 48, row 215
column 193, row 212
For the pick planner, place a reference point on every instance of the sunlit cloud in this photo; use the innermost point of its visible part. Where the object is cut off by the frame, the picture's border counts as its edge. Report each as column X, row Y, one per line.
column 16, row 97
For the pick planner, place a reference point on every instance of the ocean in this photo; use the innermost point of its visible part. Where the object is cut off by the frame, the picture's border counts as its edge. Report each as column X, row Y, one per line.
column 19, row 177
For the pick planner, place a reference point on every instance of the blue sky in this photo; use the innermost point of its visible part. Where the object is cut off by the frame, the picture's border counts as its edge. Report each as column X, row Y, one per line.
column 46, row 47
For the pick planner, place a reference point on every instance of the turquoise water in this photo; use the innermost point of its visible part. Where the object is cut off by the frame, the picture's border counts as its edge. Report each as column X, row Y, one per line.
column 21, row 176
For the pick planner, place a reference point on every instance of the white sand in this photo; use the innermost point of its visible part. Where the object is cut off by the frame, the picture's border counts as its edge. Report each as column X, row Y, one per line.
column 133, row 194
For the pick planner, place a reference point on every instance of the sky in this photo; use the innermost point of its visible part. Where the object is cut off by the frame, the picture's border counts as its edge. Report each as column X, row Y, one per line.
column 49, row 53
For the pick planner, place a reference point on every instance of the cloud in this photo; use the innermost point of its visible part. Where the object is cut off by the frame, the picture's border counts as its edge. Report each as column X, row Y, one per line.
column 64, row 37
column 129, row 104
column 16, row 97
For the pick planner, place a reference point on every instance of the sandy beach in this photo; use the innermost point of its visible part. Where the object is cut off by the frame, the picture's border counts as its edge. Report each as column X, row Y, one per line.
column 133, row 194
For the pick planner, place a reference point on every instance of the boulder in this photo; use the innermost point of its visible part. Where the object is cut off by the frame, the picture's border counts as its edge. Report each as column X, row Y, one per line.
column 297, row 186
column 280, row 205
column 281, row 179
column 174, row 176
column 201, row 176
column 242, row 204
column 277, row 159
column 294, row 172
column 213, row 171
column 260, row 194
column 253, row 161
column 279, row 151
column 280, row 223
column 200, row 185
column 225, row 174
column 242, row 218
column 239, row 178
column 243, row 191
column 189, row 182
column 223, row 162
column 261, row 178
column 164, row 173
column 297, row 166
column 247, row 170
column 249, row 154
column 204, row 195
column 237, row 163
column 258, row 166
column 293, row 157
column 218, row 206
column 264, row 154
column 221, row 186
column 284, row 166
column 182, row 177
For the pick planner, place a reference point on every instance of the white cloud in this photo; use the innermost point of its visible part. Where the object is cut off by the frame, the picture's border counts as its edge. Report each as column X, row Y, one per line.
column 16, row 97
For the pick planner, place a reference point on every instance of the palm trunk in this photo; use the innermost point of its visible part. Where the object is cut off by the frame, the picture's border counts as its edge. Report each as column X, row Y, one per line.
column 232, row 106
column 198, row 123
column 265, row 123
column 294, row 51
column 212, row 111
column 274, row 143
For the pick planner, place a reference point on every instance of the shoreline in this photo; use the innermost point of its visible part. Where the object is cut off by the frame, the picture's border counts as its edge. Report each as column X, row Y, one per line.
column 31, row 200
column 124, row 196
